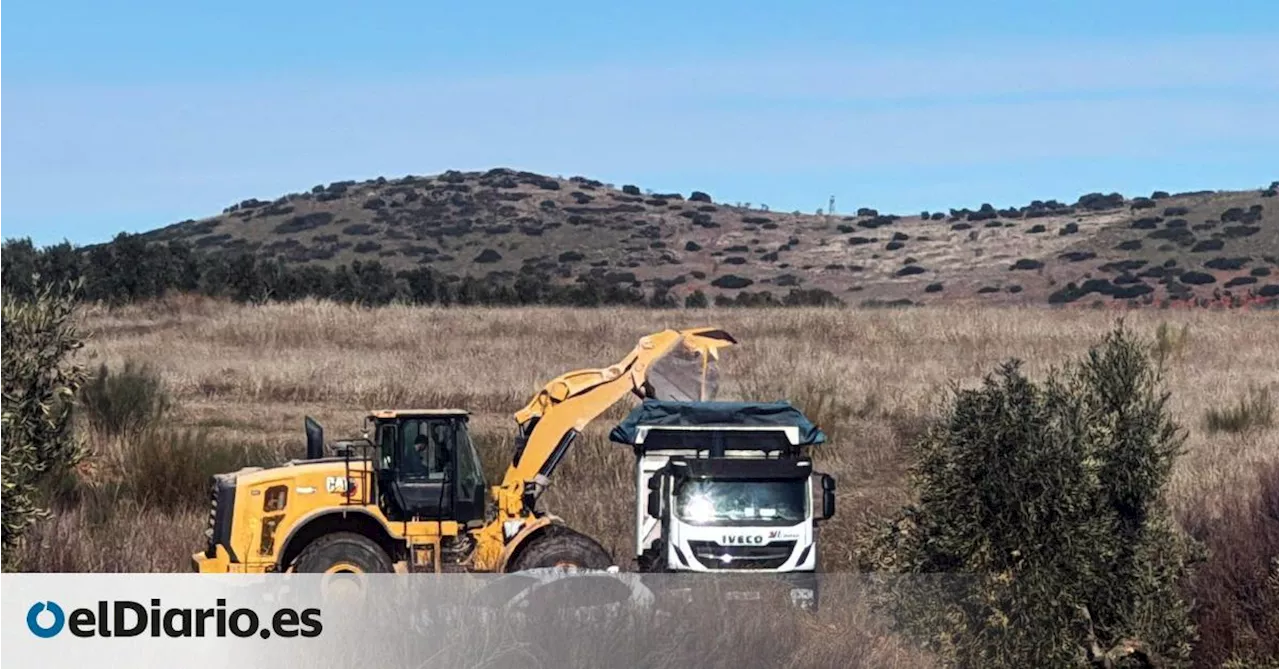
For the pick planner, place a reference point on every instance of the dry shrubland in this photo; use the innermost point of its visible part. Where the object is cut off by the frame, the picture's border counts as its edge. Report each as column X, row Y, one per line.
column 241, row 378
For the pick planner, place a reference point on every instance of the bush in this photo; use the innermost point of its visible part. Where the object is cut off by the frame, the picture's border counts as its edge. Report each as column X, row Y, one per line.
column 39, row 336
column 487, row 256
column 1204, row 246
column 696, row 300
column 304, row 222
column 170, row 469
column 124, row 402
column 1026, row 264
column 1256, row 409
column 1049, row 497
column 811, row 297
column 1099, row 202
column 731, row 282
column 1227, row 264
column 571, row 256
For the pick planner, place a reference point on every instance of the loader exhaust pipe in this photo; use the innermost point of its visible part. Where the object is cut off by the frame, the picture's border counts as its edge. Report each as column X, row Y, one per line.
column 315, row 438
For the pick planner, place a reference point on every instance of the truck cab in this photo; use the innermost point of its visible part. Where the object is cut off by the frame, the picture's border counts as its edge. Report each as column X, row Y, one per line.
column 731, row 514
column 727, row 487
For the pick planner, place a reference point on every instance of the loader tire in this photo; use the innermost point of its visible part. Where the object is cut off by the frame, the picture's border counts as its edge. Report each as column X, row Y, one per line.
column 561, row 547
column 343, row 552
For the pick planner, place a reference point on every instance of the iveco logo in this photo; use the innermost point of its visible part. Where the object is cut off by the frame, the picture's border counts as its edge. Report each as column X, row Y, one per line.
column 740, row 540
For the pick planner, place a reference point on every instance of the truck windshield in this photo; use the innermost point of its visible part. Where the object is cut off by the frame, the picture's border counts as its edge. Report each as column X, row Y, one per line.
column 740, row 502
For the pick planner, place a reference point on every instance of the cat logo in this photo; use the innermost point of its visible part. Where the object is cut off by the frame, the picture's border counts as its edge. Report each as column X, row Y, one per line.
column 340, row 485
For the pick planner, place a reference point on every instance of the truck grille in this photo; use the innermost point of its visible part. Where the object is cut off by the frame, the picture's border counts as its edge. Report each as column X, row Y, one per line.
column 769, row 556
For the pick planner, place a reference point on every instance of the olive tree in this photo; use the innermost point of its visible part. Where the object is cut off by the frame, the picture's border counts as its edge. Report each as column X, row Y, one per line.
column 1039, row 534
column 39, row 386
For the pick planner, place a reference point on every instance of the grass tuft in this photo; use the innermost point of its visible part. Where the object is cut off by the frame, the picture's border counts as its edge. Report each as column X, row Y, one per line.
column 1254, row 410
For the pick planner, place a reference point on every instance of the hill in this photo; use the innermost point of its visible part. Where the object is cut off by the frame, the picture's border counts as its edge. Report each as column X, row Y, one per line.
column 502, row 224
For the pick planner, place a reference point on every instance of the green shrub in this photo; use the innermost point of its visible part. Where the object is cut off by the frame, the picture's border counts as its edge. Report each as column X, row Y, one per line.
column 124, row 402
column 1043, row 504
column 1256, row 409
column 696, row 300
column 39, row 385
column 170, row 469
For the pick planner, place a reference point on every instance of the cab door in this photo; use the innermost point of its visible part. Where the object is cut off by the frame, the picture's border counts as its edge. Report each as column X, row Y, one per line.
column 416, row 490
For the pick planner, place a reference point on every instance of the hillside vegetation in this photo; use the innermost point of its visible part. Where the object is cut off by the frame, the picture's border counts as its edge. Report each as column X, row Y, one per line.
column 509, row 237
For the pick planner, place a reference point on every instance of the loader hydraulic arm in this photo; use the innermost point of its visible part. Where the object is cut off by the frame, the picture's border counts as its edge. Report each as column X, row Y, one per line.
column 563, row 408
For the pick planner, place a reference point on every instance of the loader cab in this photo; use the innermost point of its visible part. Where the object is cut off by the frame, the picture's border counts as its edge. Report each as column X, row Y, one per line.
column 427, row 466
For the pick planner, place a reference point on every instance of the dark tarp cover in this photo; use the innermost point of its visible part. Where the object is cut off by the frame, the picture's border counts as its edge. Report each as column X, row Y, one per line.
column 661, row 413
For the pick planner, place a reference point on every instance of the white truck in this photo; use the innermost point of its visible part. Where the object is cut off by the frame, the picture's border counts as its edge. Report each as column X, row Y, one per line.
column 728, row 488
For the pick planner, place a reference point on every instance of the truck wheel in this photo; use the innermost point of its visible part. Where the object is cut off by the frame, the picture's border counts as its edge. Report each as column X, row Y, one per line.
column 561, row 547
column 343, row 552
column 653, row 560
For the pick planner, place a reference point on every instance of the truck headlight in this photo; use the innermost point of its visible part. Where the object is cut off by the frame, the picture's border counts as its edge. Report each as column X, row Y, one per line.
column 701, row 509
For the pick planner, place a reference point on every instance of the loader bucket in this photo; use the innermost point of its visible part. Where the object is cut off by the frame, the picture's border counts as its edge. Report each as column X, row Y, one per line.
column 690, row 371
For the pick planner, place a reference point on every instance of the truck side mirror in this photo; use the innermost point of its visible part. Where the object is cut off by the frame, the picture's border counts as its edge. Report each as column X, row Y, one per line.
column 655, row 503
column 828, row 497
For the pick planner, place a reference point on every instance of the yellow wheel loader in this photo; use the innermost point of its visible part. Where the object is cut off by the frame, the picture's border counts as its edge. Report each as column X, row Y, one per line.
column 409, row 495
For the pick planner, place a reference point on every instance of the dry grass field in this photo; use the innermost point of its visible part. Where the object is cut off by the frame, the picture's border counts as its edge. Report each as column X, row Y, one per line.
column 241, row 379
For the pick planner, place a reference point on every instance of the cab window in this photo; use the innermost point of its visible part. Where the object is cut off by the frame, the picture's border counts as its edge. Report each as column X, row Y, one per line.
column 426, row 449
column 470, row 473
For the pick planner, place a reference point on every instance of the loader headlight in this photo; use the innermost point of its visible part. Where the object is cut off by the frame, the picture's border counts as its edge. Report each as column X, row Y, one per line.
column 510, row 528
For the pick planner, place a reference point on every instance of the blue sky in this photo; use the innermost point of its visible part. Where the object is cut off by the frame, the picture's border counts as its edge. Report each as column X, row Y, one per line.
column 130, row 116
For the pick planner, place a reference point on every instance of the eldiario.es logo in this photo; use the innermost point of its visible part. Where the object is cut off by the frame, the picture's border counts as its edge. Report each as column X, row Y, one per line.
column 124, row 618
